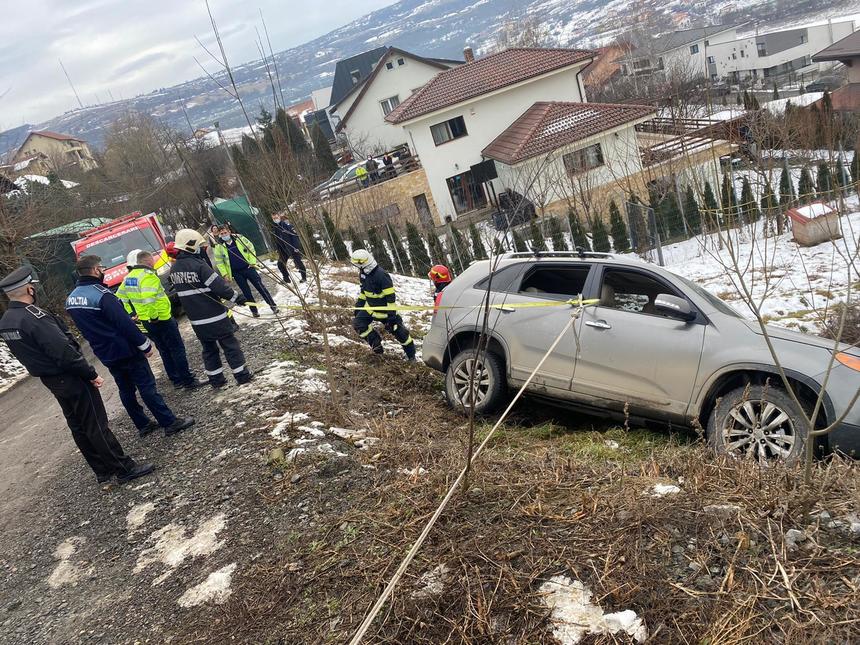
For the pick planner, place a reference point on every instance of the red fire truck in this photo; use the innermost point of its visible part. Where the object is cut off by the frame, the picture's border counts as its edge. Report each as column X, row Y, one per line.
column 114, row 240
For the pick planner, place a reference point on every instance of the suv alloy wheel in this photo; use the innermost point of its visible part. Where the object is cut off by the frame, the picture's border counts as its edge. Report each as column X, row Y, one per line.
column 488, row 384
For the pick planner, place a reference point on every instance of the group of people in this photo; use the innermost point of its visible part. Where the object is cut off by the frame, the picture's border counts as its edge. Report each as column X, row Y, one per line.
column 125, row 328
column 370, row 172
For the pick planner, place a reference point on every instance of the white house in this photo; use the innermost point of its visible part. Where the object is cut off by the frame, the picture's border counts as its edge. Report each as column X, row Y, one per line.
column 683, row 51
column 360, row 113
column 773, row 54
column 450, row 120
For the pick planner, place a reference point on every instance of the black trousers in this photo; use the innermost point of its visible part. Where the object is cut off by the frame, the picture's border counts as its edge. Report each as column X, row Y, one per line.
column 235, row 359
column 247, row 277
column 85, row 413
column 297, row 260
column 363, row 324
column 165, row 334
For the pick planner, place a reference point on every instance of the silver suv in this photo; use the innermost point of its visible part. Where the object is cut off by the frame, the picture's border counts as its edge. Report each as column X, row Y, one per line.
column 657, row 347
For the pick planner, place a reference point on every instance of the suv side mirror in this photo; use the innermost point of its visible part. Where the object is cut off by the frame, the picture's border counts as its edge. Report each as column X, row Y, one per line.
column 674, row 306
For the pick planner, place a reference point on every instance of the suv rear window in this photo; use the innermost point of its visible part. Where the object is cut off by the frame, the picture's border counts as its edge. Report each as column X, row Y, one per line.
column 632, row 291
column 555, row 280
column 504, row 280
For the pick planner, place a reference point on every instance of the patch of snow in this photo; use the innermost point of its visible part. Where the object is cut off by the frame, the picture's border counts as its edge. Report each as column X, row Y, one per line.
column 137, row 515
column 170, row 546
column 285, row 422
column 67, row 572
column 347, row 434
column 412, row 472
column 661, row 490
column 574, row 615
column 216, row 588
column 432, row 583
column 814, row 210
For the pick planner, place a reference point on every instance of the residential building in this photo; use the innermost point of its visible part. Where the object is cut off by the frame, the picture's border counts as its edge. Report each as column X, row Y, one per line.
column 450, row 120
column 684, row 51
column 61, row 150
column 360, row 112
column 606, row 66
column 767, row 57
column 847, row 52
column 37, row 163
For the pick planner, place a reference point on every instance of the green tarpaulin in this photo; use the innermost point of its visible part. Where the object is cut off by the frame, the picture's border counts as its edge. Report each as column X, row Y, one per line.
column 243, row 217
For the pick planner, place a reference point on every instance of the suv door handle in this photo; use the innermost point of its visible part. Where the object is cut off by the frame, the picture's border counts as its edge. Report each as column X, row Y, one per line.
column 600, row 324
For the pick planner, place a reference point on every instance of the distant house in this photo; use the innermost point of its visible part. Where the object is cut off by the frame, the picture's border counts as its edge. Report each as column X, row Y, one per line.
column 360, row 112
column 606, row 66
column 60, row 150
column 37, row 163
column 768, row 56
column 682, row 51
column 847, row 52
column 458, row 113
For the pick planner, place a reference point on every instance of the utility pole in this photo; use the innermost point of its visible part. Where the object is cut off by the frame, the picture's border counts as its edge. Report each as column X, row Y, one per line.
column 80, row 103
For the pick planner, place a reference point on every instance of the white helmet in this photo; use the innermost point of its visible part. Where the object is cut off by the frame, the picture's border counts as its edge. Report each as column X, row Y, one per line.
column 362, row 260
column 188, row 240
column 131, row 258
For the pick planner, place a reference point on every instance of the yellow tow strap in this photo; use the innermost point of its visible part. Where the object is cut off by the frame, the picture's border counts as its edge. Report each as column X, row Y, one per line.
column 573, row 302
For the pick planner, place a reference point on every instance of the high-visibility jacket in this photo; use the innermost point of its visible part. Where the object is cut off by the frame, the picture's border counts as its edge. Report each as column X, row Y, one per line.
column 222, row 255
column 142, row 293
column 377, row 290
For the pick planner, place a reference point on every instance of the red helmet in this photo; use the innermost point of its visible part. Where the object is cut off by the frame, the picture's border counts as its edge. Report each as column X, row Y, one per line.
column 170, row 249
column 439, row 274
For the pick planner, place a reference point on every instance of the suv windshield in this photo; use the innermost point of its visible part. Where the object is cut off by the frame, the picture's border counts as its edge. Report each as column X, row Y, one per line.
column 718, row 304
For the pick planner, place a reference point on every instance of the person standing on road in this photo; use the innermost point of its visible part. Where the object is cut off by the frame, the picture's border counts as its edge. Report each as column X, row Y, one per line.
column 120, row 346
column 377, row 290
column 46, row 348
column 289, row 246
column 236, row 259
column 143, row 295
column 201, row 291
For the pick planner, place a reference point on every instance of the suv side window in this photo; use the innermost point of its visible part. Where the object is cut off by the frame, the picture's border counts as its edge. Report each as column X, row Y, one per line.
column 504, row 280
column 553, row 281
column 632, row 291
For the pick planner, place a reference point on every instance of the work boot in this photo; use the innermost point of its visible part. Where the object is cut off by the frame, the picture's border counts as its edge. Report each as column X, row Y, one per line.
column 151, row 427
column 255, row 314
column 138, row 470
column 194, row 384
column 275, row 310
column 245, row 377
column 179, row 425
column 104, row 479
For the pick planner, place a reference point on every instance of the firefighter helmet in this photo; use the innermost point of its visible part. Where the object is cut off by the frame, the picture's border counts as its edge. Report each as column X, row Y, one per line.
column 131, row 258
column 363, row 260
column 171, row 250
column 439, row 274
column 189, row 240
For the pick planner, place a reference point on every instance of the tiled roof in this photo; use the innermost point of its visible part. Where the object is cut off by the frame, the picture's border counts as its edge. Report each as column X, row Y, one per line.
column 546, row 126
column 483, row 76
column 848, row 47
column 56, row 135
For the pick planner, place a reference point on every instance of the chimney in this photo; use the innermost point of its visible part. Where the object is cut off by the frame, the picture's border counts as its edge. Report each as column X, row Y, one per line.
column 468, row 55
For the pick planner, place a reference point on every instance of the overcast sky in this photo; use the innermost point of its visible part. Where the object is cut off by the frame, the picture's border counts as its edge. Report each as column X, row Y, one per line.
column 131, row 47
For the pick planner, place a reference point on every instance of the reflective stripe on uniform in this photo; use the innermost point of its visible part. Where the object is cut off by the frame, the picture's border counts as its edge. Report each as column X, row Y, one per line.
column 206, row 321
column 210, row 279
column 236, row 370
column 366, row 332
column 408, row 341
column 145, row 346
column 385, row 292
column 193, row 292
column 220, row 370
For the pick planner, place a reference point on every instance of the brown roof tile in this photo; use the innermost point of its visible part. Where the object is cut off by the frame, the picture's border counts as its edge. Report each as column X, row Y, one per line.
column 56, row 135
column 546, row 126
column 483, row 76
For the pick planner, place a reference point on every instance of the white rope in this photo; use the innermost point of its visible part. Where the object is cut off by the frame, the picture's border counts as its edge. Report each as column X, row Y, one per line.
column 368, row 620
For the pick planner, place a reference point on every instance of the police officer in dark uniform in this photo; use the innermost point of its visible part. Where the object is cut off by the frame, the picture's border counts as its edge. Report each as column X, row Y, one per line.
column 43, row 345
column 289, row 246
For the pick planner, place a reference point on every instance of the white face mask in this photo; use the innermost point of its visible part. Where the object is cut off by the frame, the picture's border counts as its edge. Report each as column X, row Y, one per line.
column 226, row 238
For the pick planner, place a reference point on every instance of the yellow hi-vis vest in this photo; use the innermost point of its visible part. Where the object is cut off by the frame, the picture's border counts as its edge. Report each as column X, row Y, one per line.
column 222, row 255
column 142, row 293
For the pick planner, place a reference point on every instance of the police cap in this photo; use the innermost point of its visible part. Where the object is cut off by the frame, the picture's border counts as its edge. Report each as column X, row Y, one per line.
column 17, row 279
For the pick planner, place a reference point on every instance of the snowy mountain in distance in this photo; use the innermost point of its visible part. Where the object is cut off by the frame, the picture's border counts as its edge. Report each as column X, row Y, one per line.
column 429, row 27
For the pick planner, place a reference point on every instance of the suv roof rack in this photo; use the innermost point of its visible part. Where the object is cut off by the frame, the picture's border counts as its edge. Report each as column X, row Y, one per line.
column 578, row 253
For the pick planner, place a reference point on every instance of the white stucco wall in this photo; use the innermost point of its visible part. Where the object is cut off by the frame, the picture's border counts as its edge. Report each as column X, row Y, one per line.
column 485, row 117
column 681, row 58
column 366, row 127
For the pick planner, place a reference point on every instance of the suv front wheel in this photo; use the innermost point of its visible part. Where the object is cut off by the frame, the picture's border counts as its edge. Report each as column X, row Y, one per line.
column 487, row 388
column 758, row 422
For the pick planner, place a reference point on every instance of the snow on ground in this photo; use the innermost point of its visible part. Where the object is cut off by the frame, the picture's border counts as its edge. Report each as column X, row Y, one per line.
column 11, row 371
column 68, row 571
column 169, row 545
column 216, row 588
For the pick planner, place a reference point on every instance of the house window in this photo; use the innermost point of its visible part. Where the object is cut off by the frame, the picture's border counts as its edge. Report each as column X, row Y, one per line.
column 448, row 130
column 694, row 49
column 802, row 38
column 660, row 63
column 582, row 160
column 389, row 104
column 714, row 77
column 355, row 75
column 734, row 56
column 712, row 60
column 400, row 61
column 762, row 49
column 389, row 65
column 742, row 54
column 707, row 43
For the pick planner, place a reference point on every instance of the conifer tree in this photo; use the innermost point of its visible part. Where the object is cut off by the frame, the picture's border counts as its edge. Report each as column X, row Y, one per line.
column 519, row 243
column 379, row 250
column 729, row 200
column 556, row 235
column 357, row 239
column 841, row 179
column 437, row 251
column 580, row 239
column 461, row 253
column 749, row 207
column 292, row 134
column 479, row 251
column 313, row 245
column 770, row 206
column 600, row 236
column 855, row 167
column 824, row 181
column 805, row 187
column 322, row 151
column 417, row 250
column 692, row 211
column 620, row 238
column 786, row 189
column 538, row 243
column 405, row 263
column 775, row 92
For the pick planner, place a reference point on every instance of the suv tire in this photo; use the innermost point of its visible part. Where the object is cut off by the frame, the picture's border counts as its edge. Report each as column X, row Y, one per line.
column 758, row 422
column 491, row 387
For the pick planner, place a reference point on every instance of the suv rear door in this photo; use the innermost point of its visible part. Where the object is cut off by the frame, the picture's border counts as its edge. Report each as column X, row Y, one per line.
column 529, row 332
column 631, row 354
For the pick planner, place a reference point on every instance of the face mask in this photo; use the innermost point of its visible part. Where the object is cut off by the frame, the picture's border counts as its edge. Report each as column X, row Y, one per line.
column 225, row 238
column 101, row 276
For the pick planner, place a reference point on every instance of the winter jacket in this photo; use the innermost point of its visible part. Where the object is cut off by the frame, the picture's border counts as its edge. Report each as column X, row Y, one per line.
column 201, row 292
column 222, row 255
column 104, row 322
column 286, row 239
column 142, row 293
column 377, row 290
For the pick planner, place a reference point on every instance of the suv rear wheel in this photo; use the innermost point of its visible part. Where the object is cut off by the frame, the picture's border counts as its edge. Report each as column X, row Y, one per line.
column 488, row 385
column 758, row 422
